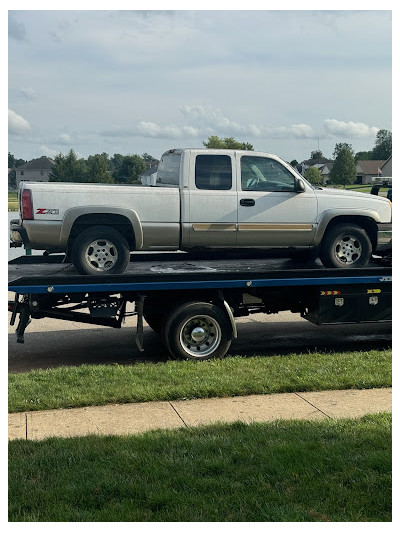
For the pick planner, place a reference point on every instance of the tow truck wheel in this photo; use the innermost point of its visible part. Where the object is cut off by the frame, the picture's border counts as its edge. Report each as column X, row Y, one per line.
column 346, row 246
column 100, row 250
column 197, row 331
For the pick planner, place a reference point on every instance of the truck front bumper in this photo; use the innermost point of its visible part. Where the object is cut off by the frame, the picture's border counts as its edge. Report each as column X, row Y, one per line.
column 384, row 238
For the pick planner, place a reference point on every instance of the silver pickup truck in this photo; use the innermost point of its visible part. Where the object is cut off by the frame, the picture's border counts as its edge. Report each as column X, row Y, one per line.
column 209, row 199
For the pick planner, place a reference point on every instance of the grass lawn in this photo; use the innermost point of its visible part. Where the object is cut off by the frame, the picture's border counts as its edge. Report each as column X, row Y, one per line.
column 360, row 188
column 101, row 384
column 13, row 201
column 293, row 471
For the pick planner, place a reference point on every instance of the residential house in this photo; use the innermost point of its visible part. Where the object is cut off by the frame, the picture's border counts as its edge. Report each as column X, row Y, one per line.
column 323, row 164
column 368, row 169
column 149, row 175
column 35, row 170
column 386, row 168
column 326, row 172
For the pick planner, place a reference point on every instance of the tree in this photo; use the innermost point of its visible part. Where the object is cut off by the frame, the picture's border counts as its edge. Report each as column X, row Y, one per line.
column 97, row 169
column 313, row 175
column 147, row 157
column 363, row 156
column 68, row 168
column 316, row 154
column 130, row 170
column 227, row 143
column 383, row 145
column 344, row 166
column 13, row 162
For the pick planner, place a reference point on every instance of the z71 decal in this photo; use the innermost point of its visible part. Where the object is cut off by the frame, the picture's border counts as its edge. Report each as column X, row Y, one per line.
column 42, row 211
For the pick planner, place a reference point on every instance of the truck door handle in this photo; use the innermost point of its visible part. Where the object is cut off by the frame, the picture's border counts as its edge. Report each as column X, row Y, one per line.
column 247, row 202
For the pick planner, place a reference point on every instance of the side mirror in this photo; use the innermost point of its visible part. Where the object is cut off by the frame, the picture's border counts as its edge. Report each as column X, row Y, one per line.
column 299, row 185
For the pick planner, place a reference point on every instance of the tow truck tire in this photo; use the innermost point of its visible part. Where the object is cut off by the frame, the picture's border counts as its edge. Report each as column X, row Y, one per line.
column 346, row 246
column 100, row 250
column 197, row 331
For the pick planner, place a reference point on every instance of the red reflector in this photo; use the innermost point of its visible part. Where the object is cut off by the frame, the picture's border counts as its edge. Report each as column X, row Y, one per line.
column 26, row 203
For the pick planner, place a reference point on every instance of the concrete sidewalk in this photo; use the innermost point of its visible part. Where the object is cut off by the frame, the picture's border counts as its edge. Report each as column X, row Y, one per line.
column 139, row 417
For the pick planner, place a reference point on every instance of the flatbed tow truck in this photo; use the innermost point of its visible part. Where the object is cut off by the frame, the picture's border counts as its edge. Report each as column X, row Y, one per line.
column 192, row 300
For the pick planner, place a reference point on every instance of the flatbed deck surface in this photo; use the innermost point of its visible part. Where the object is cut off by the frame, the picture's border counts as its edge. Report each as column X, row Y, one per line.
column 178, row 268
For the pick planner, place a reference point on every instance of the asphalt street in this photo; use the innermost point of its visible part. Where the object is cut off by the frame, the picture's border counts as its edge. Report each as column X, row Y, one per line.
column 50, row 343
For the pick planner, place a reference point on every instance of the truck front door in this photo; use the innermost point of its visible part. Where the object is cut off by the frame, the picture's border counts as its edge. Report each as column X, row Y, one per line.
column 212, row 215
column 270, row 211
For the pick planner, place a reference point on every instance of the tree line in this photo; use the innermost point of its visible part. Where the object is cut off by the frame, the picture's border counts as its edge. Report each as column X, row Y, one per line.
column 99, row 168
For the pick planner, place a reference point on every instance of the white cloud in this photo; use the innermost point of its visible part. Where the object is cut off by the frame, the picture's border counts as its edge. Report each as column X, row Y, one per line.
column 49, row 152
column 298, row 131
column 209, row 120
column 349, row 129
column 17, row 124
column 151, row 129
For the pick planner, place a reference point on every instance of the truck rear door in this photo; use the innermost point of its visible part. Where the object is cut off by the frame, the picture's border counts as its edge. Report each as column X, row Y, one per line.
column 212, row 215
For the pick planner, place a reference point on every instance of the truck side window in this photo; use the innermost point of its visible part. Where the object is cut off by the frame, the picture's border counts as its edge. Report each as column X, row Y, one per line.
column 213, row 172
column 264, row 174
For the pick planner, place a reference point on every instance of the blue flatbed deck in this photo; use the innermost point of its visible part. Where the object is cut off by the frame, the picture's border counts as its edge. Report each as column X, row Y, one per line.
column 181, row 271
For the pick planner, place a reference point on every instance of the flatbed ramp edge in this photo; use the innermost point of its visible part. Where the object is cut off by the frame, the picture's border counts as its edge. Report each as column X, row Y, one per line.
column 193, row 304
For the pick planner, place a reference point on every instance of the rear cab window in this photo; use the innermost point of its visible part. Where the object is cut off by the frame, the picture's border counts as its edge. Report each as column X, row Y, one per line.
column 213, row 172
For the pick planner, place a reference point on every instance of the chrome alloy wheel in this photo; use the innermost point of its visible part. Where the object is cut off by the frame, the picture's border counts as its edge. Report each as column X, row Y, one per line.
column 101, row 255
column 348, row 249
column 200, row 336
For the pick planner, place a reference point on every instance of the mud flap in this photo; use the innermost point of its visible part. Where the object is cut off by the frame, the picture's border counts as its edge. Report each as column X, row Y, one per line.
column 139, row 325
column 24, row 320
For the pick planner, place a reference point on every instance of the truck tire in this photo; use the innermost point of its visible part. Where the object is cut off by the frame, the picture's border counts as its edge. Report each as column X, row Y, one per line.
column 100, row 250
column 345, row 246
column 196, row 331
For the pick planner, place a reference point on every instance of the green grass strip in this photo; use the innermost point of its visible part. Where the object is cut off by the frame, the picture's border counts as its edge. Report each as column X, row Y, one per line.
column 233, row 376
column 285, row 471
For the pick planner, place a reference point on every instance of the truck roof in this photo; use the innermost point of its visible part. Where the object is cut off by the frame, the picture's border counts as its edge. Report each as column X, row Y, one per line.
column 220, row 151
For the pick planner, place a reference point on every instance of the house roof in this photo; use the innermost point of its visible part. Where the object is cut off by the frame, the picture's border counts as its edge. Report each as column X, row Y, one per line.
column 149, row 171
column 387, row 161
column 370, row 166
column 42, row 163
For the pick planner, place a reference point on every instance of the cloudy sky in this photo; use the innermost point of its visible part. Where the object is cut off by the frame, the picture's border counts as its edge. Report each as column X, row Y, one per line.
column 130, row 82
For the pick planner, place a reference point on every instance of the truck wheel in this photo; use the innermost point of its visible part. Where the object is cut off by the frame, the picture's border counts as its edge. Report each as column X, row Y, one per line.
column 345, row 246
column 197, row 331
column 100, row 250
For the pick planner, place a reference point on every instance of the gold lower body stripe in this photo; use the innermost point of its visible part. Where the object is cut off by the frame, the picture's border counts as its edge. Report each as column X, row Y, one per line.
column 251, row 227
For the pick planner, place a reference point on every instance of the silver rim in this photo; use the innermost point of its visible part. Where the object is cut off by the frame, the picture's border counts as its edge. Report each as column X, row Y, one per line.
column 200, row 336
column 348, row 249
column 101, row 255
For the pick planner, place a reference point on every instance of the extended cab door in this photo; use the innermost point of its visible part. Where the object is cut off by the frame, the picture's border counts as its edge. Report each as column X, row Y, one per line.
column 270, row 211
column 212, row 216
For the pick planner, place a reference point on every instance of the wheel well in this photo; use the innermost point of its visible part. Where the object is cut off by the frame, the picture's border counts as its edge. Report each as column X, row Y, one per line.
column 118, row 222
column 368, row 224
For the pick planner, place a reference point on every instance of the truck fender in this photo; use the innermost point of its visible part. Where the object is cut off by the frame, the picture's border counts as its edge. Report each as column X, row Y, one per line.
column 71, row 215
column 330, row 214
